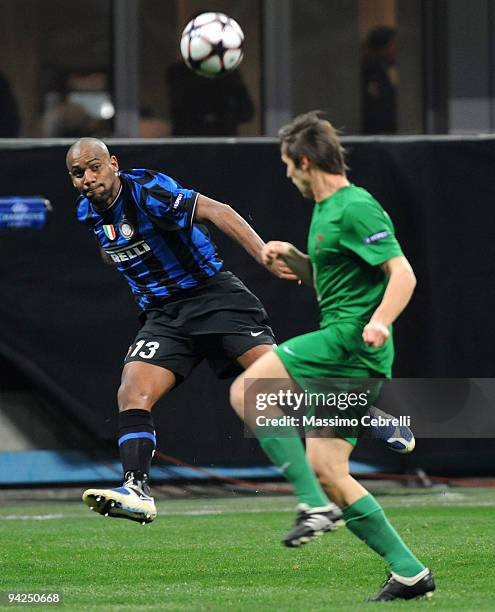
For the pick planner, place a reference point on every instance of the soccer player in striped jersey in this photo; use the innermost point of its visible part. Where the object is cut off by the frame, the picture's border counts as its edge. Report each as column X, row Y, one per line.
column 190, row 308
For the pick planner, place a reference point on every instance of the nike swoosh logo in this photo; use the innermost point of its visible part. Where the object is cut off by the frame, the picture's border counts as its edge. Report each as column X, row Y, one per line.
column 256, row 333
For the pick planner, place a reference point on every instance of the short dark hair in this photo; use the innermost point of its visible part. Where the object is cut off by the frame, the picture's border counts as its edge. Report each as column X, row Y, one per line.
column 310, row 135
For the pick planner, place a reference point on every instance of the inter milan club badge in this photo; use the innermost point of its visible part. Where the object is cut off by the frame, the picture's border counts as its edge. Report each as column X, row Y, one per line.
column 110, row 232
column 126, row 230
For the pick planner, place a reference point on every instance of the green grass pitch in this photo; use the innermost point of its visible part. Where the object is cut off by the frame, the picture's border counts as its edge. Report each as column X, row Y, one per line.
column 225, row 554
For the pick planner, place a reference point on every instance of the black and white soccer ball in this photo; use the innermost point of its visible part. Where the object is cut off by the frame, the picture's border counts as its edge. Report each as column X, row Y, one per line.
column 211, row 44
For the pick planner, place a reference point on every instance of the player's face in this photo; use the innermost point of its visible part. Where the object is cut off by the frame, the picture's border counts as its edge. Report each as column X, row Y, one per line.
column 94, row 174
column 298, row 176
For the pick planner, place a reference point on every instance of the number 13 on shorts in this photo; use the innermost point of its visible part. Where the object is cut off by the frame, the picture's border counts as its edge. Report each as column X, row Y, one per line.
column 144, row 349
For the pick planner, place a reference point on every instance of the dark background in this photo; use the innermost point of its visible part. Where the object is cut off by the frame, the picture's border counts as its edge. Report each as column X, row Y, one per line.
column 66, row 319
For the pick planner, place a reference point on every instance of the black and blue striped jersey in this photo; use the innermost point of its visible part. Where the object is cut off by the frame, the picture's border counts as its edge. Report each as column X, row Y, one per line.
column 150, row 234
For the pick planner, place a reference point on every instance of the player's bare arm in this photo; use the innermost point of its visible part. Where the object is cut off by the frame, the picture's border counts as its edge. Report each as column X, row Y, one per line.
column 297, row 261
column 400, row 287
column 233, row 225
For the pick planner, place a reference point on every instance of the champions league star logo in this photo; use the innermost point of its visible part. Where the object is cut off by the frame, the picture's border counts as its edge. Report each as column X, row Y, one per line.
column 19, row 208
column 126, row 230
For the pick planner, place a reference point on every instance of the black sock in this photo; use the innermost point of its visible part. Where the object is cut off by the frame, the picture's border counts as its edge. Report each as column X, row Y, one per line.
column 137, row 442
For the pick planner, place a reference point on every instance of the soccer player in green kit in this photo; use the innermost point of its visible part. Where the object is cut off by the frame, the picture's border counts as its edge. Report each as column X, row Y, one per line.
column 363, row 282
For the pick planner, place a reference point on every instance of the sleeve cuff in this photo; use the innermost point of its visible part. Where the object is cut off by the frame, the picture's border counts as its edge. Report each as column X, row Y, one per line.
column 380, row 258
column 191, row 203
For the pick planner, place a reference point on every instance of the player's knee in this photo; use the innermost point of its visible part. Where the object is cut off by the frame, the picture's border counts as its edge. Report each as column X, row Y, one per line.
column 327, row 473
column 237, row 396
column 323, row 471
column 134, row 396
column 331, row 481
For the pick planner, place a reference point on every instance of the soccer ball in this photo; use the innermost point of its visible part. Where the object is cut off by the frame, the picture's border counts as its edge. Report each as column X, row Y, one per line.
column 211, row 44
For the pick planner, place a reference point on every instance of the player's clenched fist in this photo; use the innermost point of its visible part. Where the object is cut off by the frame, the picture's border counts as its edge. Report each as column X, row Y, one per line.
column 273, row 250
column 272, row 256
column 375, row 334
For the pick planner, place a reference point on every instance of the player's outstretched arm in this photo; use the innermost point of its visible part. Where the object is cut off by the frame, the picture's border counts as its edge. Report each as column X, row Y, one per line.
column 233, row 225
column 400, row 287
column 298, row 262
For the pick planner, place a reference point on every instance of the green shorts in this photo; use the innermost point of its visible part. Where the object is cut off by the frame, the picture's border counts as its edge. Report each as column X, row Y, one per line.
column 316, row 361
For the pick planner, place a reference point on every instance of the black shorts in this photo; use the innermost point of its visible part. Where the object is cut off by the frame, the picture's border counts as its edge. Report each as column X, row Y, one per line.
column 218, row 321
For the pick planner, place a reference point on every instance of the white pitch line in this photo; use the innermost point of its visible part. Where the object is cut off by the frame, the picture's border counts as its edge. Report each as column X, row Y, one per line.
column 452, row 499
column 32, row 517
column 201, row 512
column 211, row 512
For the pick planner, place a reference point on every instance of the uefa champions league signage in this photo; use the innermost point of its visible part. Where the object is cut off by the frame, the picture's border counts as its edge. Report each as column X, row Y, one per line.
column 24, row 212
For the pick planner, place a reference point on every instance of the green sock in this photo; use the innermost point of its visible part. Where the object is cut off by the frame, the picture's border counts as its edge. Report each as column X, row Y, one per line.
column 366, row 519
column 288, row 454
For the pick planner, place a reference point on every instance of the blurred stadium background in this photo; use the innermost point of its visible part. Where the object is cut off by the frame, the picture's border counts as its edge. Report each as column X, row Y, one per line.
column 111, row 69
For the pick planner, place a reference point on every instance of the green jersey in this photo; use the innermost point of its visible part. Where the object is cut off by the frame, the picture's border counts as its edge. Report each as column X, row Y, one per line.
column 349, row 238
